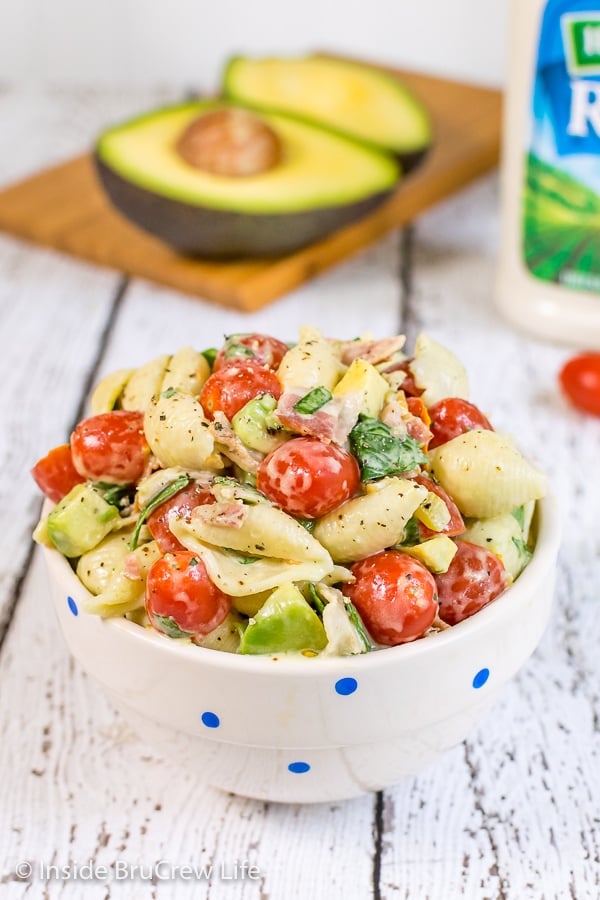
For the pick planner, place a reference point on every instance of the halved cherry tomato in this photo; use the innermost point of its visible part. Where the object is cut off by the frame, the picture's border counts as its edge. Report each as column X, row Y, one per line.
column 235, row 384
column 395, row 596
column 455, row 525
column 307, row 477
column 180, row 597
column 55, row 473
column 111, row 447
column 474, row 578
column 263, row 348
column 580, row 380
column 187, row 499
column 453, row 416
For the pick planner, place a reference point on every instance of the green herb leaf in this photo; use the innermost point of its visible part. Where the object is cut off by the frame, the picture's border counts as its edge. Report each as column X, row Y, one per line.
column 238, row 350
column 114, row 494
column 358, row 624
column 309, row 524
column 243, row 560
column 247, row 493
column 167, row 492
column 519, row 515
column 524, row 551
column 411, row 534
column 314, row 598
column 169, row 626
column 313, row 401
column 379, row 453
column 210, row 354
column 170, row 392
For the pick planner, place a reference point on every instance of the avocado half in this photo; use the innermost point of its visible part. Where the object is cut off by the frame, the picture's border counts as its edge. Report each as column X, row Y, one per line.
column 322, row 182
column 354, row 99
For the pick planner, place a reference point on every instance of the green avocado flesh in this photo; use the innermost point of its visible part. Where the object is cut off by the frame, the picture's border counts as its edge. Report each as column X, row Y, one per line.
column 323, row 181
column 350, row 98
column 285, row 623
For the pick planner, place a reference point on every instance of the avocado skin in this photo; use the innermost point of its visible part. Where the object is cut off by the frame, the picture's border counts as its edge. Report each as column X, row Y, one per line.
column 219, row 234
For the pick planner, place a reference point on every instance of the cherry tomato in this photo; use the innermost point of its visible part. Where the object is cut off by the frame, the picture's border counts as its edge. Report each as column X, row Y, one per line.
column 580, row 380
column 453, row 416
column 235, row 384
column 263, row 348
column 180, row 597
column 307, row 477
column 111, row 447
column 475, row 577
column 395, row 596
column 455, row 525
column 187, row 499
column 55, row 473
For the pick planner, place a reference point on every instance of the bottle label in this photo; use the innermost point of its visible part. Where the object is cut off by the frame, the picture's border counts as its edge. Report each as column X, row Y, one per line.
column 561, row 210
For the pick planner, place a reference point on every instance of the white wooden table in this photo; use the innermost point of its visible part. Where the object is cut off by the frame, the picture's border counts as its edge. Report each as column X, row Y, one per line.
column 514, row 813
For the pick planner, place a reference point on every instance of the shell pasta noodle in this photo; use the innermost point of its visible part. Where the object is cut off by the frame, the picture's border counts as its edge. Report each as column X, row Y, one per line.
column 324, row 498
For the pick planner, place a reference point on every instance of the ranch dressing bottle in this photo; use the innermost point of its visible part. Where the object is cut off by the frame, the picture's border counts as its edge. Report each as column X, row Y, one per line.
column 550, row 259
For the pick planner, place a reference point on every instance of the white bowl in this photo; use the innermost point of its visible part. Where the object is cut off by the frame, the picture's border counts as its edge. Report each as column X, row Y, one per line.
column 310, row 730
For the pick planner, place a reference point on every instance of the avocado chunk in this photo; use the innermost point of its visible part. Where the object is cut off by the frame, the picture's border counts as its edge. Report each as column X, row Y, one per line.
column 436, row 553
column 284, row 623
column 321, row 182
column 354, row 99
column 80, row 521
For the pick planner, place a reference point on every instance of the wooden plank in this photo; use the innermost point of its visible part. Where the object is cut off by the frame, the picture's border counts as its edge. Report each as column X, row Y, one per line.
column 64, row 208
column 84, row 786
column 514, row 812
column 53, row 311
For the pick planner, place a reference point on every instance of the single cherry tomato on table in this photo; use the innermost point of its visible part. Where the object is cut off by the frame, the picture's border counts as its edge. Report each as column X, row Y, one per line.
column 580, row 380
column 307, row 477
column 235, row 384
column 262, row 348
column 183, row 502
column 55, row 473
column 453, row 416
column 395, row 596
column 475, row 577
column 181, row 599
column 455, row 525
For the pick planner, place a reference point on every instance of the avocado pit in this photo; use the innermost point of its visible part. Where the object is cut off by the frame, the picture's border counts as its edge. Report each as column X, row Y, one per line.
column 230, row 142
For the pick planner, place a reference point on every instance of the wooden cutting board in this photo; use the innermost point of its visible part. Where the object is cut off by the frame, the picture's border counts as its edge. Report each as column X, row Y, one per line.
column 65, row 209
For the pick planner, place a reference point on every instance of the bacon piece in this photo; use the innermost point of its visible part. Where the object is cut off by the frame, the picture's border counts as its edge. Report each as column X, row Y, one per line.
column 372, row 351
column 402, row 421
column 230, row 515
column 131, row 567
column 333, row 422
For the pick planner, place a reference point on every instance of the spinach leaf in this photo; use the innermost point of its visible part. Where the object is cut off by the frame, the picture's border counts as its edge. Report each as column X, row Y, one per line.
column 313, row 401
column 358, row 624
column 522, row 548
column 519, row 515
column 116, row 494
column 411, row 534
column 169, row 626
column 379, row 453
column 167, row 492
column 313, row 597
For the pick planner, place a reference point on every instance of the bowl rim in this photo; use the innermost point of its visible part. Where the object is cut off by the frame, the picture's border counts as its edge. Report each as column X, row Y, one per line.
column 543, row 561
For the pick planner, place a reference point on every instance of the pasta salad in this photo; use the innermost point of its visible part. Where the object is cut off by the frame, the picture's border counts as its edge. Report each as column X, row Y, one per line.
column 327, row 497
